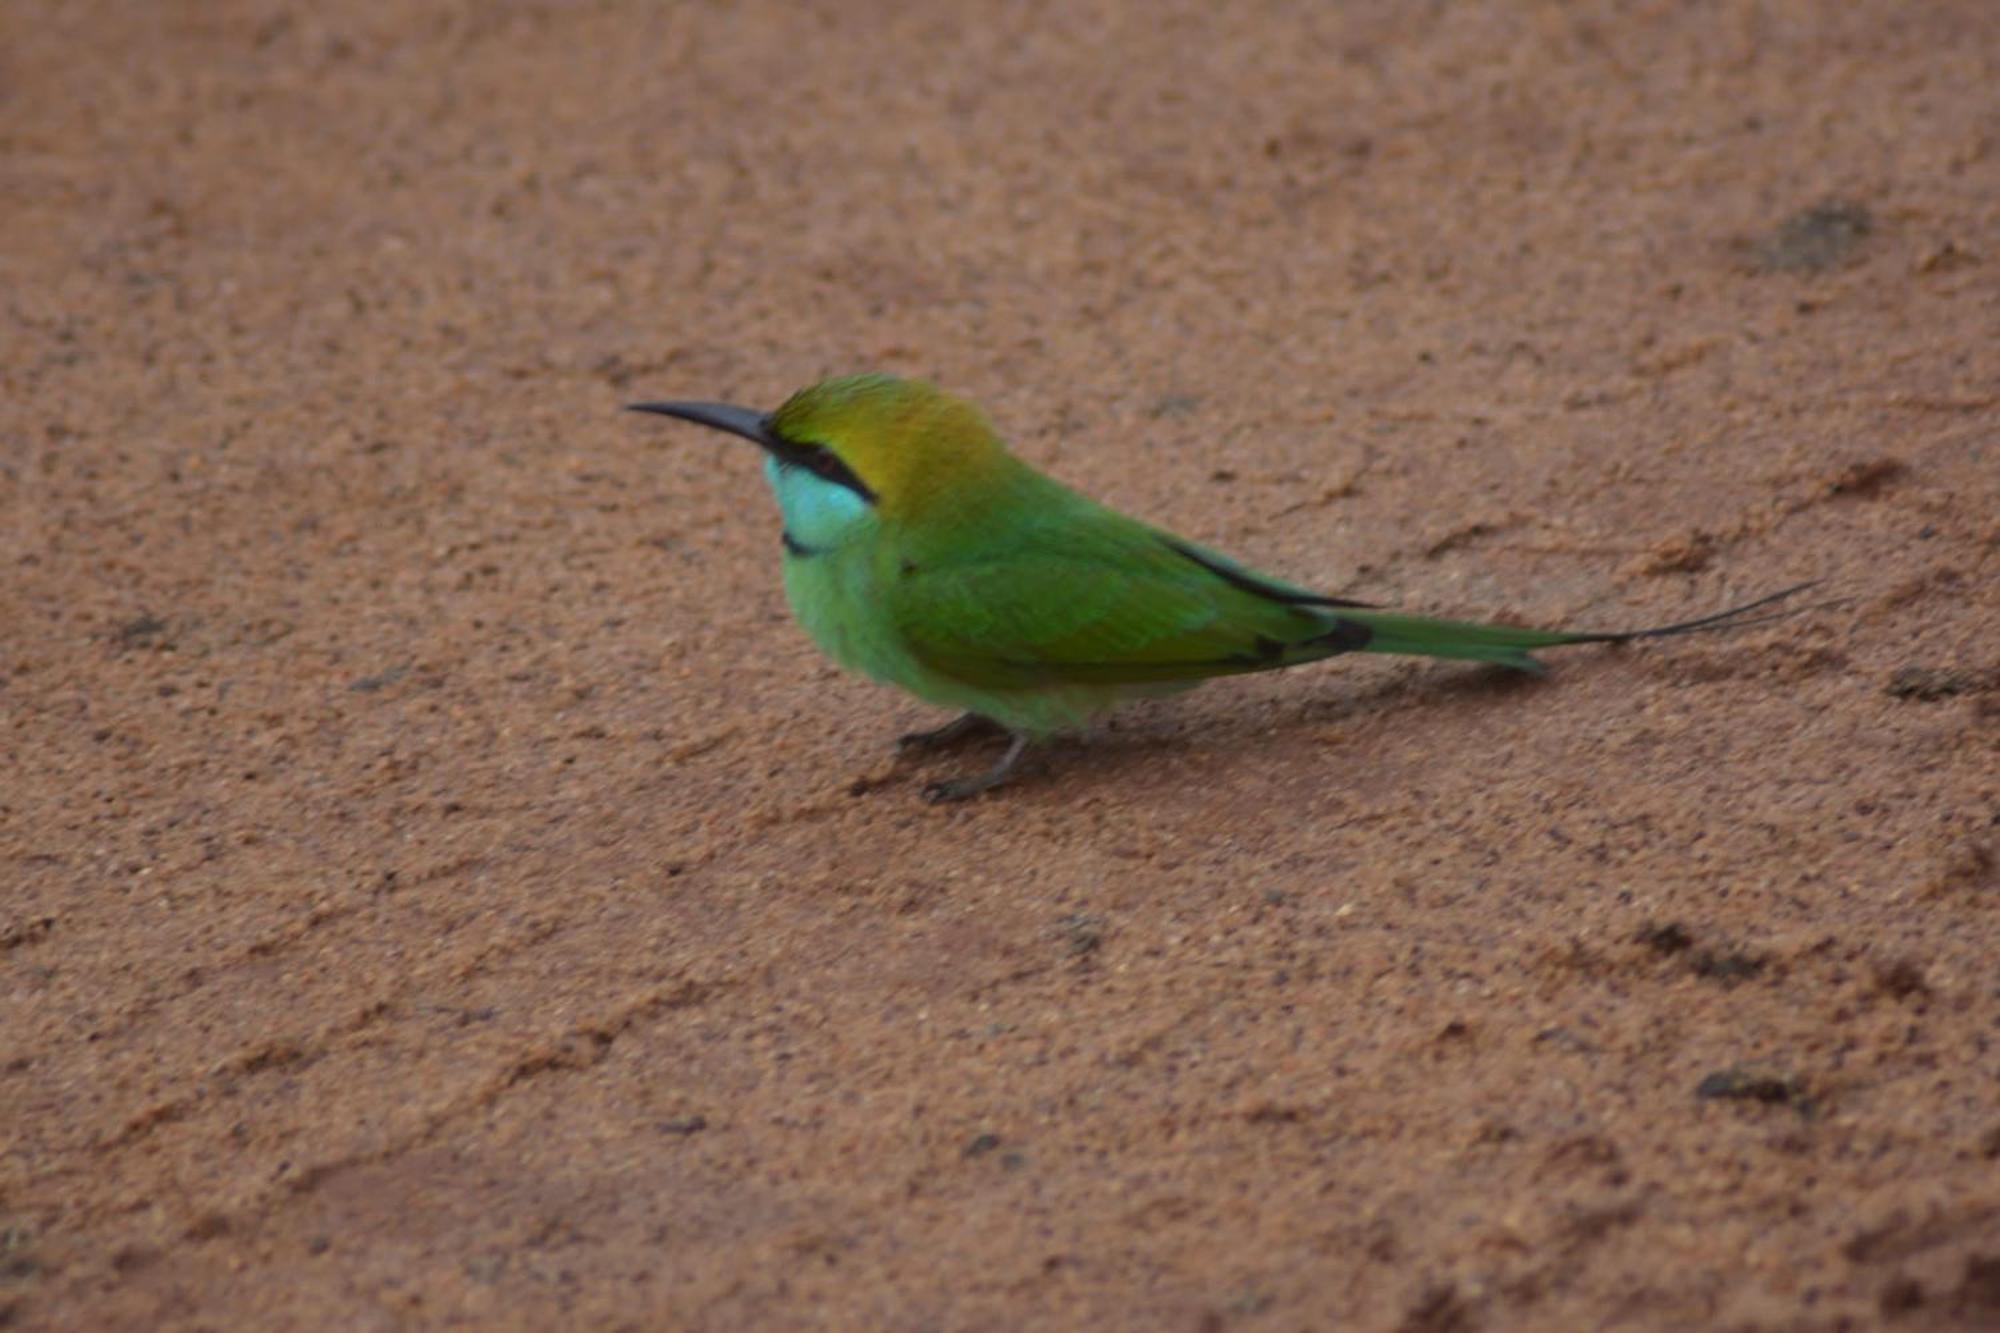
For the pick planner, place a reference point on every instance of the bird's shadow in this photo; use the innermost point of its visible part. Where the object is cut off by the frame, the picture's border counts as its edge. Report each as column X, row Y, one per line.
column 1155, row 729
column 1428, row 686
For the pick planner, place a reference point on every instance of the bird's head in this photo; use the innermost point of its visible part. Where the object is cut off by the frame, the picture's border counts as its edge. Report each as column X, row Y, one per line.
column 893, row 444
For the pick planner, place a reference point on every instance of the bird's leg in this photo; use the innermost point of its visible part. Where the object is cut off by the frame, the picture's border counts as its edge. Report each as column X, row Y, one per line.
column 960, row 788
column 958, row 729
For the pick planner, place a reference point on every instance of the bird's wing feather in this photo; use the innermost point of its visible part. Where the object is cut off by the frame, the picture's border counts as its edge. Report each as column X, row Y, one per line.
column 1103, row 602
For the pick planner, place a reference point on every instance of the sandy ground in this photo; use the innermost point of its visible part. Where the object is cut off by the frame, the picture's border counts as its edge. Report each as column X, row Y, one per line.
column 442, row 887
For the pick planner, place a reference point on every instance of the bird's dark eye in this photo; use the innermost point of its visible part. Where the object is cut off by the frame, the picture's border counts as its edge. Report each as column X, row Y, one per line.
column 823, row 462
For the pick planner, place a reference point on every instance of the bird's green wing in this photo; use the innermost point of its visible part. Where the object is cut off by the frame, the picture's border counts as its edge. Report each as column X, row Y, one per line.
column 1083, row 595
column 1108, row 601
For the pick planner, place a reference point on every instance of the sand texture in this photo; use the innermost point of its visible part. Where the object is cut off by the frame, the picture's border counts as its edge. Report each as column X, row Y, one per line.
column 441, row 887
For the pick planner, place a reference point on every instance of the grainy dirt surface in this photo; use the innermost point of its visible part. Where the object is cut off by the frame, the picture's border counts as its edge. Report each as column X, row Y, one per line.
column 442, row 888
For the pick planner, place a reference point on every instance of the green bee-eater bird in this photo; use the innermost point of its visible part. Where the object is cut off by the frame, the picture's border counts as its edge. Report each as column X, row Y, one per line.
column 919, row 551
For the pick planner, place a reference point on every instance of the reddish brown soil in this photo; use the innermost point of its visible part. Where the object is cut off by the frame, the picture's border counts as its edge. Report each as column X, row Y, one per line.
column 442, row 886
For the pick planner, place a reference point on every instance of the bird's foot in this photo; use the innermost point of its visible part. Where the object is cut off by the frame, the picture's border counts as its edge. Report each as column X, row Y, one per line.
column 962, row 727
column 937, row 793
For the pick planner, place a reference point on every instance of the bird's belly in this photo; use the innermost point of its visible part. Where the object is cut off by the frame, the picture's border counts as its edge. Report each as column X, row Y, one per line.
column 833, row 594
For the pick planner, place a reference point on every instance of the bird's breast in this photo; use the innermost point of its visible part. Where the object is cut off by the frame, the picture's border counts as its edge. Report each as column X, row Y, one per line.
column 832, row 593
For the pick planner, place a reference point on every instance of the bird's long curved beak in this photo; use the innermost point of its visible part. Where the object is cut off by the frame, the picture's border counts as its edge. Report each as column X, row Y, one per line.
column 745, row 421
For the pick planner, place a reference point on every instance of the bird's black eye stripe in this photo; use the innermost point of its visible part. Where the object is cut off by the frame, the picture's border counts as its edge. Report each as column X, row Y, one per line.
column 823, row 462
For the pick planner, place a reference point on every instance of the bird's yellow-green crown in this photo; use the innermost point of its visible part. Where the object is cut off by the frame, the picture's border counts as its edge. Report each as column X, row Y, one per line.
column 907, row 439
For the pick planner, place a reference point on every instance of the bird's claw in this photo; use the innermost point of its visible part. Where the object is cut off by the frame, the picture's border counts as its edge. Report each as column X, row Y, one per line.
column 957, row 789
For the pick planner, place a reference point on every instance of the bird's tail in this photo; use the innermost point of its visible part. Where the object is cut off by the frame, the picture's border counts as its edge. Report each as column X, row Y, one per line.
column 1510, row 645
